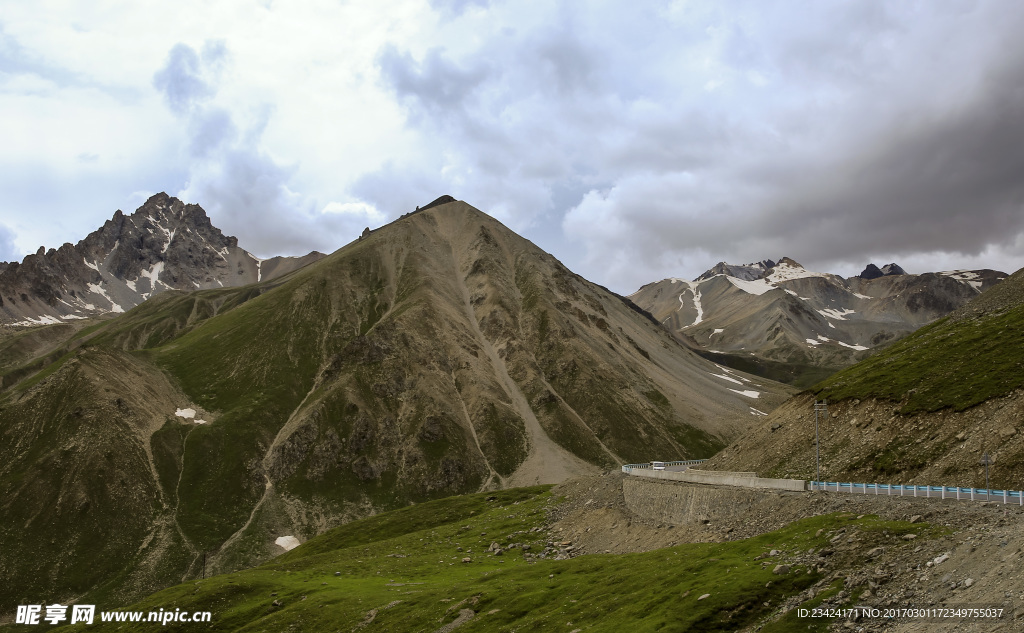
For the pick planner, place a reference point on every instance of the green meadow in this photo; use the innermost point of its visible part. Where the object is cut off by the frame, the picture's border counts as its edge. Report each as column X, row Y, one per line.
column 405, row 571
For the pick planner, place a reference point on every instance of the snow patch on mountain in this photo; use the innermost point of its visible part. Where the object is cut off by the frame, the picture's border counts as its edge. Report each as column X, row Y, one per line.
column 748, row 393
column 287, row 542
column 259, row 267
column 965, row 276
column 42, row 320
column 696, row 304
column 839, row 314
column 168, row 234
column 96, row 288
column 787, row 270
column 153, row 274
column 758, row 287
column 856, row 347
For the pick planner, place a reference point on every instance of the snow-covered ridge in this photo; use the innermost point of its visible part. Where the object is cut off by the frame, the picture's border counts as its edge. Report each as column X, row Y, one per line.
column 967, row 276
column 776, row 310
column 785, row 271
column 758, row 287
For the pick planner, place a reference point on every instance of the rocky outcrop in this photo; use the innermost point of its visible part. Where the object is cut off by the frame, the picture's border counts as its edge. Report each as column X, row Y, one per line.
column 874, row 272
column 166, row 244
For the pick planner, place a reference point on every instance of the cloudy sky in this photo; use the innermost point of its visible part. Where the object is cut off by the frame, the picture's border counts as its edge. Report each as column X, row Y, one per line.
column 633, row 140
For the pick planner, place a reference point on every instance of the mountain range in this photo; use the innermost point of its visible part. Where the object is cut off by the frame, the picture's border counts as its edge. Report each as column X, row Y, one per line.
column 165, row 245
column 780, row 320
column 924, row 410
column 207, row 429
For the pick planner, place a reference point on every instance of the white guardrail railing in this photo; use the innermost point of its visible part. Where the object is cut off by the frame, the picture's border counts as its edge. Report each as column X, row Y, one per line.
column 928, row 492
column 889, row 490
column 690, row 462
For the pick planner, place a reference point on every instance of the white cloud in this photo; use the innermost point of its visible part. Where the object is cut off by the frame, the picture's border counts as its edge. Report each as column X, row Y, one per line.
column 837, row 133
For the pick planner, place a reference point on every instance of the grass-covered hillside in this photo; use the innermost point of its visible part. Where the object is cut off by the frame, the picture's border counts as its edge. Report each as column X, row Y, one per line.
column 439, row 355
column 958, row 362
column 433, row 565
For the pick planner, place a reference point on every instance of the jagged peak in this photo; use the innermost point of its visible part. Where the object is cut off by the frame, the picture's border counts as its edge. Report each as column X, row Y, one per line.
column 893, row 269
column 445, row 199
column 874, row 272
column 789, row 261
column 158, row 198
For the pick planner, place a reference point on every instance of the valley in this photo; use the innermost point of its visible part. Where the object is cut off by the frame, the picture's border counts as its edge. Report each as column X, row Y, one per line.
column 369, row 441
column 439, row 355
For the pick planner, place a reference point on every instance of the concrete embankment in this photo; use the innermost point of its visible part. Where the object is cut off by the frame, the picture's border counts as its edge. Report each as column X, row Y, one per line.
column 681, row 503
column 721, row 478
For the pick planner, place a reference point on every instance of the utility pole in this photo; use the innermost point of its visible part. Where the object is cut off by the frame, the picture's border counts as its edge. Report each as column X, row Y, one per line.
column 819, row 408
column 986, row 460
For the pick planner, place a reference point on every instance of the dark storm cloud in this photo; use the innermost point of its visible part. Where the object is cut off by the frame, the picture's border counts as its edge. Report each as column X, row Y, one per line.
column 900, row 138
column 938, row 181
column 952, row 183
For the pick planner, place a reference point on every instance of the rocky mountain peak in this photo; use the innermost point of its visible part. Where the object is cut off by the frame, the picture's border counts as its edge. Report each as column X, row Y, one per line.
column 871, row 272
column 789, row 262
column 165, row 244
column 874, row 272
column 893, row 269
column 746, row 272
column 445, row 199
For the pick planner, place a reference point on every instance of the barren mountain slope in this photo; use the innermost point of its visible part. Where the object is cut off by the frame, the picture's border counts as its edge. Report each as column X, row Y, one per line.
column 924, row 410
column 440, row 354
column 780, row 320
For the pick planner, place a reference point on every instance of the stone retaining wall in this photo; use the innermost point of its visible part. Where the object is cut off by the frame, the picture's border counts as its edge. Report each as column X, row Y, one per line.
column 678, row 503
column 720, row 478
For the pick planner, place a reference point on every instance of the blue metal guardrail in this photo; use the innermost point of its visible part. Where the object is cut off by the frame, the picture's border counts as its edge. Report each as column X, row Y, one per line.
column 627, row 468
column 928, row 492
column 889, row 490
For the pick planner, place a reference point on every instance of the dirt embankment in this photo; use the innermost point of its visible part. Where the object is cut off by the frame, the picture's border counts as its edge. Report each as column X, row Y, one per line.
column 868, row 441
column 615, row 513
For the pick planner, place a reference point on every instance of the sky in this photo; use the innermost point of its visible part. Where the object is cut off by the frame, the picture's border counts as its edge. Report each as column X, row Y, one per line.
column 634, row 141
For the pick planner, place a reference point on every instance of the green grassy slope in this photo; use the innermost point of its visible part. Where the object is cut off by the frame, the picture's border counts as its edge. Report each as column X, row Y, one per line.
column 361, row 383
column 77, row 498
column 950, row 363
column 404, row 571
